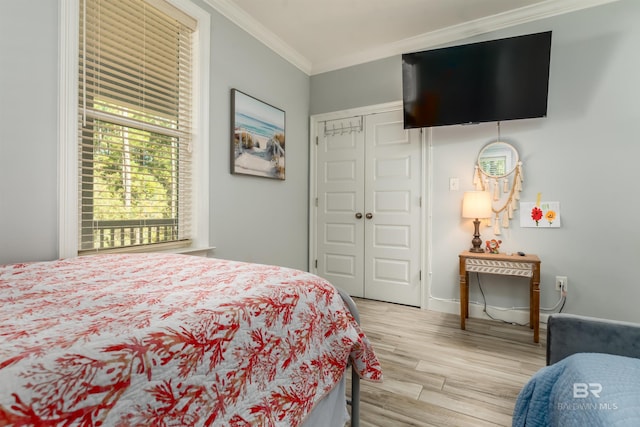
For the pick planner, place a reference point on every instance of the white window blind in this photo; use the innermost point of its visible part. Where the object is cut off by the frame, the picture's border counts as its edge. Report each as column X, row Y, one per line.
column 134, row 125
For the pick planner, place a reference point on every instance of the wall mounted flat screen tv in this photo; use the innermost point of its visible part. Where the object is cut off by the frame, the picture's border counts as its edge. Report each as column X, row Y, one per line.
column 496, row 80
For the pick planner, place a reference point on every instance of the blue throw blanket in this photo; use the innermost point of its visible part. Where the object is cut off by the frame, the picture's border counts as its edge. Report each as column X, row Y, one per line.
column 583, row 390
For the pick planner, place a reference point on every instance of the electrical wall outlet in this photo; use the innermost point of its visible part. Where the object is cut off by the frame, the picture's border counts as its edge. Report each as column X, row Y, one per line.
column 561, row 283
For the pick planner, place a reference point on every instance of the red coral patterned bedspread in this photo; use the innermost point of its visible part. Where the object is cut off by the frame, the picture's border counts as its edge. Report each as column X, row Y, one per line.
column 163, row 340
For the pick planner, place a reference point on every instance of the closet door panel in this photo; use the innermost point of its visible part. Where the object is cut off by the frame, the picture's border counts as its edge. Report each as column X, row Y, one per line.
column 340, row 189
column 392, row 197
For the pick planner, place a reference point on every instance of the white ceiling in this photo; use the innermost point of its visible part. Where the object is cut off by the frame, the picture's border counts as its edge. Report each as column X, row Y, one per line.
column 324, row 35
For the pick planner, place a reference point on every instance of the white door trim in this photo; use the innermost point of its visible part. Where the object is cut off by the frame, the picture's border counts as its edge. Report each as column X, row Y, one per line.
column 426, row 191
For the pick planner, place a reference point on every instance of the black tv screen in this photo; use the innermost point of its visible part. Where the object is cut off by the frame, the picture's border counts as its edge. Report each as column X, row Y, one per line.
column 496, row 80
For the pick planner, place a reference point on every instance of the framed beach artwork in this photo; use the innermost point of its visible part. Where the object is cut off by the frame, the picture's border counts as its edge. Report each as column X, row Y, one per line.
column 257, row 137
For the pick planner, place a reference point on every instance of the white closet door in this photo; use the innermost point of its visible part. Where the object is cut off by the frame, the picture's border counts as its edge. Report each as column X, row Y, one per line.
column 368, row 183
column 340, row 191
column 392, row 198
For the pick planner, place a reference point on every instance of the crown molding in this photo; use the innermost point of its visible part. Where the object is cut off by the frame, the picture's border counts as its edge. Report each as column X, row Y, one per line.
column 465, row 30
column 238, row 16
column 424, row 41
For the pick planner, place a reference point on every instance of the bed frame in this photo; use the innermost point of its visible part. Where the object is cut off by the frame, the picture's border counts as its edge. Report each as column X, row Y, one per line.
column 354, row 402
column 568, row 334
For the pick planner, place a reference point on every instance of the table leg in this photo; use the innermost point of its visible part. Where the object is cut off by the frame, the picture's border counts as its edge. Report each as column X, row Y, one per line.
column 536, row 311
column 531, row 308
column 464, row 298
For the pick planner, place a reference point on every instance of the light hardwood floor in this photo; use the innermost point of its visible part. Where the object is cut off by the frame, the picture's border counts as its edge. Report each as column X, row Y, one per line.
column 436, row 374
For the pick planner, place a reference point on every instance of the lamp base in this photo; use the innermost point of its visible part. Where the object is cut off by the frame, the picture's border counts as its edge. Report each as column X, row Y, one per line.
column 477, row 241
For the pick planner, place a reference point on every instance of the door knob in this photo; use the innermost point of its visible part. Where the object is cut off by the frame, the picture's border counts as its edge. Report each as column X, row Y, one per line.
column 358, row 215
column 369, row 215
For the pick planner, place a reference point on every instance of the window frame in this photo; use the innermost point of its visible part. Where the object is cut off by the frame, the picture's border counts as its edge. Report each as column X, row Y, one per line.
column 68, row 184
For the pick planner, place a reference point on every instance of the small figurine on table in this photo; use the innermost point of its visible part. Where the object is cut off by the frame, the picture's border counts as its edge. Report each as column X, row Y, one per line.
column 493, row 246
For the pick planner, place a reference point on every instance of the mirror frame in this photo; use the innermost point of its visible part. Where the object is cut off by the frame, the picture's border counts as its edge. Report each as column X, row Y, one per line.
column 493, row 145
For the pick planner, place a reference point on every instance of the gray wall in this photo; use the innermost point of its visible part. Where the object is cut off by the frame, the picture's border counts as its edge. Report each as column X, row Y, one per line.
column 28, row 130
column 253, row 219
column 361, row 85
column 584, row 155
column 258, row 219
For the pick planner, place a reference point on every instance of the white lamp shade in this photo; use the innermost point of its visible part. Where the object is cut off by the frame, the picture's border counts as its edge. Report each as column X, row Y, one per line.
column 476, row 204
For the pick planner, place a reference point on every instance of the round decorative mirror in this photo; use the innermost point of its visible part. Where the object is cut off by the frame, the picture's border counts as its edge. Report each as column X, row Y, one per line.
column 498, row 159
column 499, row 171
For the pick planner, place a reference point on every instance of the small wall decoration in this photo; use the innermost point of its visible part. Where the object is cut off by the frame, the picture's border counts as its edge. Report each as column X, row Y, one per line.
column 499, row 172
column 540, row 214
column 257, row 137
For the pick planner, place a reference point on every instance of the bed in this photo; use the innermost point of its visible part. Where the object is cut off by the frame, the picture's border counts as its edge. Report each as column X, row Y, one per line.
column 592, row 377
column 160, row 339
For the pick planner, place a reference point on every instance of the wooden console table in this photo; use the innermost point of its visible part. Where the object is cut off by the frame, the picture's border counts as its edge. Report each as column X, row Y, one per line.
column 509, row 265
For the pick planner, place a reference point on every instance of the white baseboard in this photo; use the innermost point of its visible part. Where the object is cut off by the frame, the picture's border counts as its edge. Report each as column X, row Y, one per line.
column 476, row 311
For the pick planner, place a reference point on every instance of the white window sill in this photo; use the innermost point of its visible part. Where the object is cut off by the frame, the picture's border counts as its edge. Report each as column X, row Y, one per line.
column 196, row 251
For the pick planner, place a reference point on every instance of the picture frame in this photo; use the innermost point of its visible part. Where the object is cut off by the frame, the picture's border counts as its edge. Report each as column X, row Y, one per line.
column 540, row 214
column 257, row 137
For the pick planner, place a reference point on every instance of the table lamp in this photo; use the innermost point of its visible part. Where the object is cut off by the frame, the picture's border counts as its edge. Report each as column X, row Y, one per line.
column 476, row 204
